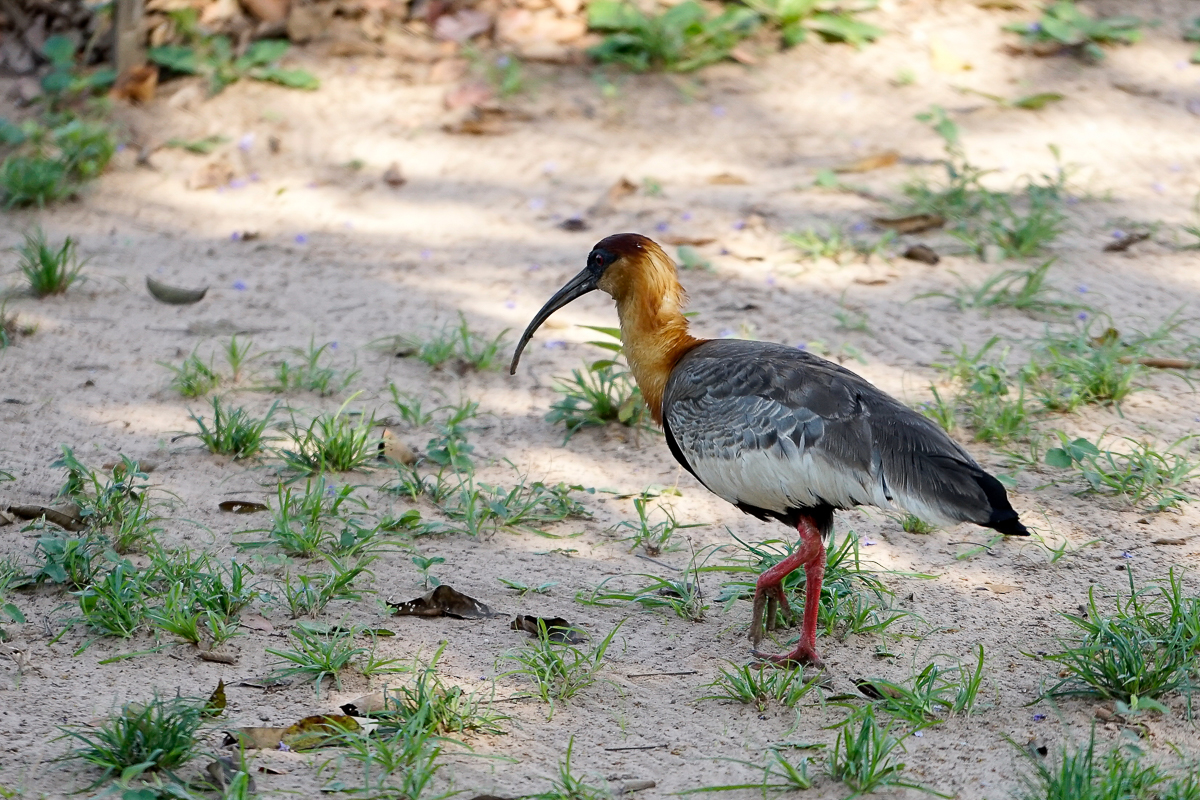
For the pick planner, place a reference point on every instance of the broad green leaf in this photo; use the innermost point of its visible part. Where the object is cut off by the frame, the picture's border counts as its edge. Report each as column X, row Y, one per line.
column 266, row 51
column 1058, row 457
column 1036, row 102
column 291, row 78
column 60, row 51
column 176, row 57
column 844, row 28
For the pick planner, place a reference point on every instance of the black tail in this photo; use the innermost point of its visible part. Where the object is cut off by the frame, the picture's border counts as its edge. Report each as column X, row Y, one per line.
column 1003, row 518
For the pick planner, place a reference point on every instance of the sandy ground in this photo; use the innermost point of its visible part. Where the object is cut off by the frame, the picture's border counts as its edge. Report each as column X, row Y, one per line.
column 341, row 257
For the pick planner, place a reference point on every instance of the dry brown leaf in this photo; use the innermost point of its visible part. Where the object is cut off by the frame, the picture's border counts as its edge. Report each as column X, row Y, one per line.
column 218, row 657
column 393, row 177
column 876, row 279
column 607, row 203
column 871, row 162
column 241, row 506
column 727, row 179
column 174, row 295
column 136, row 84
column 875, row 691
column 1003, row 588
column 688, row 241
column 256, row 622
column 1125, row 242
column 913, row 223
column 557, row 629
column 444, row 601
column 923, row 253
column 1161, row 362
column 65, row 517
column 1167, row 541
column 272, row 11
column 6, row 518
column 481, row 122
column 216, row 172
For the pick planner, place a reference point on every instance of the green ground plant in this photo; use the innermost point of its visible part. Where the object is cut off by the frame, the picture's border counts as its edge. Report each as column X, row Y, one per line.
column 116, row 505
column 338, row 442
column 435, row 706
column 308, row 595
column 1064, row 23
column 482, row 508
column 312, row 374
column 49, row 156
column 48, row 269
column 569, row 786
column 457, row 346
column 323, row 519
column 193, row 377
column 1142, row 473
column 683, row 38
column 558, row 671
column 232, row 431
column 214, row 58
column 930, row 696
column 157, row 736
column 683, row 595
column 654, row 538
column 831, row 21
column 864, row 756
column 115, row 604
column 317, row 655
column 1141, row 650
column 749, row 684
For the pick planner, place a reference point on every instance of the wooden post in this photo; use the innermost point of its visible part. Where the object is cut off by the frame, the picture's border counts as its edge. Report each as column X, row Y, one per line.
column 128, row 24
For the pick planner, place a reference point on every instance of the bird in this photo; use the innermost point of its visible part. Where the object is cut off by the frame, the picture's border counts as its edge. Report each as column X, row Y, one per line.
column 777, row 431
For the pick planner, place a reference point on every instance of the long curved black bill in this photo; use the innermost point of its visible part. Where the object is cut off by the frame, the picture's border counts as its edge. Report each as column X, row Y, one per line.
column 578, row 286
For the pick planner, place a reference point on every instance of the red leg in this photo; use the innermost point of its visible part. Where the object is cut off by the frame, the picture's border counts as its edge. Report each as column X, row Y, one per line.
column 809, row 553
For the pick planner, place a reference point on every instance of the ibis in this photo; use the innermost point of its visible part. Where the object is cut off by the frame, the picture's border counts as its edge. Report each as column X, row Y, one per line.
column 778, row 432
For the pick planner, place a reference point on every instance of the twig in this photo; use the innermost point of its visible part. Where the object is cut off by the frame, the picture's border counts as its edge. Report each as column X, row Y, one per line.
column 656, row 561
column 661, row 674
column 638, row 747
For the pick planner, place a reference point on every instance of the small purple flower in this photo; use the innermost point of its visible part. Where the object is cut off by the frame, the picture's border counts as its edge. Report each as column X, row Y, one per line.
column 738, row 224
column 725, row 333
column 301, row 238
column 333, row 345
column 534, row 267
column 536, row 204
column 1081, row 316
column 802, row 345
column 1038, row 717
column 869, row 543
column 1082, row 288
column 1126, row 554
column 1181, row 65
column 661, row 226
column 1034, row 27
column 685, row 216
column 236, row 236
column 918, row 734
column 503, row 61
column 1176, row 168
column 239, row 285
column 348, row 225
column 846, row 97
column 246, row 143
column 718, row 111
column 855, row 143
column 121, row 147
column 220, row 190
column 510, row 303
column 1072, row 200
column 770, row 280
column 549, row 168
column 1118, row 234
column 254, row 177
column 426, row 254
column 555, row 344
column 352, row 68
column 311, row 185
column 859, row 227
column 1158, row 187
column 237, row 183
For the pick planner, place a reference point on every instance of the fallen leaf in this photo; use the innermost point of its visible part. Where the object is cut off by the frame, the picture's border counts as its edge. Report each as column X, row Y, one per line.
column 316, row 730
column 1003, row 588
column 136, row 84
column 743, row 55
column 256, row 622
column 242, row 506
column 1165, row 541
column 1162, row 362
column 876, row 691
column 1125, row 242
column 727, row 179
column 558, row 630
column 469, row 95
column 393, row 177
column 216, row 701
column 462, row 25
column 607, row 203
column 923, row 253
column 218, row 657
column 946, row 60
column 217, row 172
column 444, row 601
column 629, row 787
column 6, row 518
column 270, row 11
column 914, row 223
column 876, row 280
column 688, row 241
column 871, row 162
column 65, row 517
column 1036, row 102
column 574, row 224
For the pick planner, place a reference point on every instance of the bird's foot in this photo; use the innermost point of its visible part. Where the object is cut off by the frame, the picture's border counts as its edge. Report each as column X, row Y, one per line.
column 803, row 654
column 768, row 599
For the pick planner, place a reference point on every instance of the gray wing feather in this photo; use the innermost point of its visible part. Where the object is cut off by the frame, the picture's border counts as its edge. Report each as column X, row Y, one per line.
column 769, row 425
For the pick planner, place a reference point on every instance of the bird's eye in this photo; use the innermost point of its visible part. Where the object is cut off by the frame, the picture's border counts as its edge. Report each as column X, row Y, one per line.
column 597, row 260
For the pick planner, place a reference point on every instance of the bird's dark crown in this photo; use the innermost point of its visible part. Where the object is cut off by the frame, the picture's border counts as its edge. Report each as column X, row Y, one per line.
column 613, row 248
